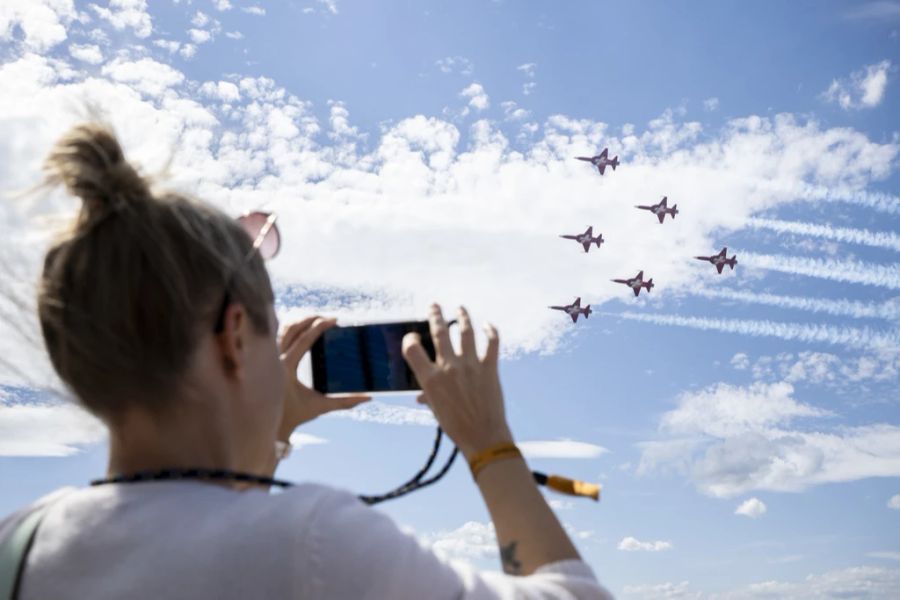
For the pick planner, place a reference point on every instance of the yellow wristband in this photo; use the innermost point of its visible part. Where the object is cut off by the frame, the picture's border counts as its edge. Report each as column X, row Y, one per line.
column 494, row 453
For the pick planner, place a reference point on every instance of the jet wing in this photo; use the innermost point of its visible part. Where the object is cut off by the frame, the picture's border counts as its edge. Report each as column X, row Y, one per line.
column 602, row 168
column 575, row 317
column 719, row 267
column 664, row 201
column 661, row 216
column 636, row 290
column 587, row 246
column 605, row 153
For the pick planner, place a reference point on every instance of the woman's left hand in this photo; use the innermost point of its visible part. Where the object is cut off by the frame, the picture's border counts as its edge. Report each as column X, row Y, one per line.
column 302, row 404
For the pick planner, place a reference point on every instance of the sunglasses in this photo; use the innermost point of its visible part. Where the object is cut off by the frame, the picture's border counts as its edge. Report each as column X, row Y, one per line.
column 260, row 227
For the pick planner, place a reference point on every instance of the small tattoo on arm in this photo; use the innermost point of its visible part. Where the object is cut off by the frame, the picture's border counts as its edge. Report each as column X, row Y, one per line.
column 511, row 565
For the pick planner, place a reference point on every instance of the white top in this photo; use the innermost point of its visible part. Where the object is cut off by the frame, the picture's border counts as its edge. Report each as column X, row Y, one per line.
column 189, row 539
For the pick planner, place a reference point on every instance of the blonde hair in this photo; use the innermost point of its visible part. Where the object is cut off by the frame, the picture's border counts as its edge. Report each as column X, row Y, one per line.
column 127, row 292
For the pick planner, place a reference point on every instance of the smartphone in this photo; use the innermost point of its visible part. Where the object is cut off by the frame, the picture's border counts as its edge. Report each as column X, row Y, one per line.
column 366, row 358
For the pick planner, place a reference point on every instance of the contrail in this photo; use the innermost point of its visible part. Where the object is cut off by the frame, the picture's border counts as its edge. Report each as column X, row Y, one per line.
column 860, row 338
column 850, row 271
column 886, row 203
column 843, row 308
column 878, row 239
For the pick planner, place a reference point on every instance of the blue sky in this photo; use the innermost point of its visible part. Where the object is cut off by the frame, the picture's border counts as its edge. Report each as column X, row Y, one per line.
column 423, row 151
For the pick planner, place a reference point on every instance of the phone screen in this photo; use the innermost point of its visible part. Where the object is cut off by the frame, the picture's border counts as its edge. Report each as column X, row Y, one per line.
column 366, row 358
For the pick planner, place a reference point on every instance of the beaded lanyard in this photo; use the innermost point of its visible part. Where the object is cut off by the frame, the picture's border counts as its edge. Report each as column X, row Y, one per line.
column 225, row 475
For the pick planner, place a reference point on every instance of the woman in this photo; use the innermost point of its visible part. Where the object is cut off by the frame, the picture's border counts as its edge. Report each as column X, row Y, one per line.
column 157, row 312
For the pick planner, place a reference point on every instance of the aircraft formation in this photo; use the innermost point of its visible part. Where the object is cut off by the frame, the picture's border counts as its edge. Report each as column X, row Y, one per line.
column 636, row 283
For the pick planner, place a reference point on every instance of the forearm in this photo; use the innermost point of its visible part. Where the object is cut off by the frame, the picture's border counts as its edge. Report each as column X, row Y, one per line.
column 528, row 532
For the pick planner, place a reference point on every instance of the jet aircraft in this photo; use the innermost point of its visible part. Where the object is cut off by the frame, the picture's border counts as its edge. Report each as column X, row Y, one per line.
column 602, row 160
column 636, row 283
column 586, row 239
column 660, row 209
column 574, row 309
column 720, row 260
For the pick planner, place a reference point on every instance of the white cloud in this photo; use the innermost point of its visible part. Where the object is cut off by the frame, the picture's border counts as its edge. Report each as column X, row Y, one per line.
column 455, row 64
column 330, row 5
column 844, row 372
column 259, row 11
column 478, row 98
column 234, row 35
column 528, row 88
column 222, row 5
column 89, row 53
column 560, row 449
column 472, row 541
column 753, row 508
column 557, row 504
column 298, row 440
column 711, row 104
column 173, row 47
column 731, row 440
column 199, row 36
column 864, row 89
column 42, row 22
column 887, row 555
column 657, row 591
column 145, row 75
column 127, row 14
column 512, row 111
column 630, row 544
column 871, row 583
column 200, row 19
column 894, row 502
column 225, row 91
column 740, row 361
column 387, row 414
column 418, row 187
column 41, row 429
column 528, row 69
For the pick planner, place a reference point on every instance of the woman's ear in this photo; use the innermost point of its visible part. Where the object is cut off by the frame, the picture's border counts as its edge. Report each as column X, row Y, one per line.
column 233, row 338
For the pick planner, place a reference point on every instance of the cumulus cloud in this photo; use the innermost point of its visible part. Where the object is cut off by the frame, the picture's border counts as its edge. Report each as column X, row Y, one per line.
column 127, row 14
column 258, row 11
column 711, row 104
column 630, row 544
column 864, row 88
column 455, row 64
column 730, row 440
column 222, row 5
column 44, row 429
column 416, row 190
column 894, row 502
column 42, row 22
column 560, row 449
column 89, row 53
column 871, row 583
column 472, row 541
column 753, row 508
column 478, row 98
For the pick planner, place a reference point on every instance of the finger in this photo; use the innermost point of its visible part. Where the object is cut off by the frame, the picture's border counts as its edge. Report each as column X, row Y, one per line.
column 346, row 401
column 466, row 335
column 292, row 331
column 440, row 334
column 415, row 356
column 303, row 343
column 493, row 346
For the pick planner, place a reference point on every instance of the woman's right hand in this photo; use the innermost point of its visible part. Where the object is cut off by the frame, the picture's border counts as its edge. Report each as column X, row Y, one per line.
column 462, row 390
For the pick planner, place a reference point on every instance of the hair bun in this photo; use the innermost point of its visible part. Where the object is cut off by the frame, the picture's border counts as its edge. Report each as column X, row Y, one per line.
column 89, row 161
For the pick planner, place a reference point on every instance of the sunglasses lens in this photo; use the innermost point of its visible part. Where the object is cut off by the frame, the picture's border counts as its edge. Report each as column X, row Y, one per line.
column 261, row 228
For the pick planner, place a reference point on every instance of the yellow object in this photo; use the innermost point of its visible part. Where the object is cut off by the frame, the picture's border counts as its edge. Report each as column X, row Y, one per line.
column 494, row 453
column 573, row 487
